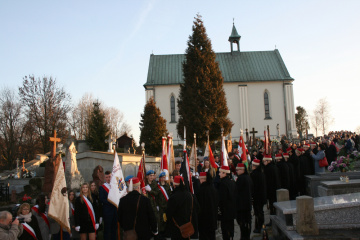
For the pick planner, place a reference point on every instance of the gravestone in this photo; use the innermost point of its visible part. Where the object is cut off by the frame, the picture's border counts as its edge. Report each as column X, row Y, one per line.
column 337, row 217
column 328, row 188
column 72, row 175
column 306, row 222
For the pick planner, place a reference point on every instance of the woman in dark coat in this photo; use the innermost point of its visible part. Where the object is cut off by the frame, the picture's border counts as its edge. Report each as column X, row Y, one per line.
column 283, row 170
column 180, row 205
column 29, row 220
column 208, row 200
column 83, row 220
column 245, row 189
column 259, row 195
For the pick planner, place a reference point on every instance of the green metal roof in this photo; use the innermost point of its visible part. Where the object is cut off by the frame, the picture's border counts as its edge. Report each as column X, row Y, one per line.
column 236, row 67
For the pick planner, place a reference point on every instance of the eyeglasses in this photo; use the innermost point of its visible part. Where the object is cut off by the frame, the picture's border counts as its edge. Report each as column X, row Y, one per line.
column 26, row 209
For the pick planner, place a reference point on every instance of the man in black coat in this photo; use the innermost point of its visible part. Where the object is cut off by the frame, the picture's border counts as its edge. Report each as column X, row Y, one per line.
column 227, row 203
column 309, row 159
column 208, row 199
column 259, row 195
column 272, row 182
column 180, row 206
column 245, row 188
column 292, row 180
column 283, row 171
column 146, row 224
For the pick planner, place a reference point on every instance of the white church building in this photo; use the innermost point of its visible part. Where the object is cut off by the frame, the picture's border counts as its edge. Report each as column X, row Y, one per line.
column 257, row 84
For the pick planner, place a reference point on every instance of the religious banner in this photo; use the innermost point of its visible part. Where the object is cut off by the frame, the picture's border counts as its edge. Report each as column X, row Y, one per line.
column 170, row 155
column 164, row 162
column 117, row 183
column 59, row 203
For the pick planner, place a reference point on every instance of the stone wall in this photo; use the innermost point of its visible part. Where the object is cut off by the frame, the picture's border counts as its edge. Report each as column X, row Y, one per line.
column 87, row 161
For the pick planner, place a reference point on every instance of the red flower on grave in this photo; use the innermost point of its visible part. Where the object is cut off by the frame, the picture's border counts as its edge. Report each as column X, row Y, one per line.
column 26, row 198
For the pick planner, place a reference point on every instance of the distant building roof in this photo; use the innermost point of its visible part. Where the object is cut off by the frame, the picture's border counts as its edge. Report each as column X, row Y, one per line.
column 235, row 67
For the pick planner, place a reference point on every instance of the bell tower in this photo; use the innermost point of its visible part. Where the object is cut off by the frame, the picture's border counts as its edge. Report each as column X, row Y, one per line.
column 234, row 38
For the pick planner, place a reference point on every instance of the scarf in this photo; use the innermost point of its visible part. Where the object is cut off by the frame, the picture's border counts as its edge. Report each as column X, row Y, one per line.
column 27, row 217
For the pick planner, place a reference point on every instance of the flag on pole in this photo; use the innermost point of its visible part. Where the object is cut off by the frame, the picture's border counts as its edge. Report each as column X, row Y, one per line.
column 224, row 155
column 164, row 162
column 193, row 156
column 117, row 183
column 266, row 142
column 59, row 203
column 210, row 155
column 141, row 174
column 170, row 155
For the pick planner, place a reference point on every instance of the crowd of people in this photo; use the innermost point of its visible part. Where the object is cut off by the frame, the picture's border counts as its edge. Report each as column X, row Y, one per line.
column 168, row 209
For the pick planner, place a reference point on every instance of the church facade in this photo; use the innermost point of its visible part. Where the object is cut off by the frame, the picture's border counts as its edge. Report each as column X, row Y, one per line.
column 257, row 84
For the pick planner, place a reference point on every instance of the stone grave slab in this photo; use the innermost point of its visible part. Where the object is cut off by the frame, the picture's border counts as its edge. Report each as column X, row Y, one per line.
column 334, row 215
column 313, row 181
column 329, row 188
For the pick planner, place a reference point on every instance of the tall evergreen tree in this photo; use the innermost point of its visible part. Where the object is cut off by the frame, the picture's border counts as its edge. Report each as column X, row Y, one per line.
column 202, row 104
column 152, row 127
column 98, row 130
column 302, row 122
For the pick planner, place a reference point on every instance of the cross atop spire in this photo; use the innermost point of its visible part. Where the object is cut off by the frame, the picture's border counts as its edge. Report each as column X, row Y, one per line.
column 234, row 38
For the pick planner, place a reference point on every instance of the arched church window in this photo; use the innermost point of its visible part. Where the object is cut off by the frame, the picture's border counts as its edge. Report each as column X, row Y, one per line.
column 267, row 107
column 172, row 108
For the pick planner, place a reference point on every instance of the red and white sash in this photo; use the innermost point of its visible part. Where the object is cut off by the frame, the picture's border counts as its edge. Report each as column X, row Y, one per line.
column 72, row 209
column 106, row 186
column 30, row 230
column 46, row 220
column 90, row 210
column 163, row 191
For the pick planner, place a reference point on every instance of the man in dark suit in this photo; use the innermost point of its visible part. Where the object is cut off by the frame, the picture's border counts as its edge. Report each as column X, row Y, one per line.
column 109, row 210
column 227, row 203
column 136, row 209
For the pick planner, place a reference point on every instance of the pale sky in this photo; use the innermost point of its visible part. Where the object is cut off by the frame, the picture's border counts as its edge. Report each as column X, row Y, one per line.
column 103, row 47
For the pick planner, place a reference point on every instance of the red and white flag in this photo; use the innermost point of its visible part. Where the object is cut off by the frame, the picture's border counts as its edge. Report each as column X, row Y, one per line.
column 141, row 175
column 208, row 153
column 266, row 142
column 224, row 155
column 164, row 162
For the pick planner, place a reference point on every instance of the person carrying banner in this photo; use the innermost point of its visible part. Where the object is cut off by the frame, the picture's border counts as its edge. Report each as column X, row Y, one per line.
column 161, row 200
column 152, row 192
column 9, row 230
column 85, row 219
column 109, row 210
column 30, row 223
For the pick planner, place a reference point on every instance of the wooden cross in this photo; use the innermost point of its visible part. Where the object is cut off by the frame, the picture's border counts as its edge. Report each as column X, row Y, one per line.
column 253, row 133
column 54, row 140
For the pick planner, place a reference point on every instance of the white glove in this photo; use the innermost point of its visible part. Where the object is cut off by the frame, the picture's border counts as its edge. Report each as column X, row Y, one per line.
column 96, row 226
column 157, row 208
column 147, row 188
column 156, row 233
column 100, row 220
column 77, row 228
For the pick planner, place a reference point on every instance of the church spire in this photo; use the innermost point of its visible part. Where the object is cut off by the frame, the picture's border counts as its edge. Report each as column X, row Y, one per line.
column 234, row 38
